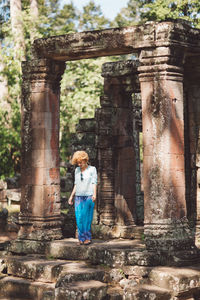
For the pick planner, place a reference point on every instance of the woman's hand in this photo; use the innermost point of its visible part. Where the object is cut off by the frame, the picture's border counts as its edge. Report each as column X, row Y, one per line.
column 94, row 197
column 70, row 201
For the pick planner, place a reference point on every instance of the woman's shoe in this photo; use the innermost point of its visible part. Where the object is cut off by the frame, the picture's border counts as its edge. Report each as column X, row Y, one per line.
column 87, row 242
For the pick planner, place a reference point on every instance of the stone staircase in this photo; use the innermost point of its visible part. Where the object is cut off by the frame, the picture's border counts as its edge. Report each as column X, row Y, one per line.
column 107, row 270
column 33, row 277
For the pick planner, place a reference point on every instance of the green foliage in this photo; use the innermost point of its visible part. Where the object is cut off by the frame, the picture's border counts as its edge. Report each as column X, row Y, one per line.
column 92, row 18
column 140, row 11
column 10, row 141
column 81, row 88
column 129, row 15
column 4, row 15
column 165, row 9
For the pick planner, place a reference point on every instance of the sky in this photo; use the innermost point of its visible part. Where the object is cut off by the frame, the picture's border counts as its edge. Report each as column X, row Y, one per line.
column 110, row 8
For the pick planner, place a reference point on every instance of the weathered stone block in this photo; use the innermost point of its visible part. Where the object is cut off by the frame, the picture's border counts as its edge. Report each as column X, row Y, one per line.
column 178, row 280
column 3, row 185
column 91, row 290
column 3, row 194
column 14, row 287
column 147, row 292
column 13, row 195
column 86, row 125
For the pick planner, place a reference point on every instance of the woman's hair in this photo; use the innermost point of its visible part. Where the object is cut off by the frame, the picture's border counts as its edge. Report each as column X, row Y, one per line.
column 78, row 156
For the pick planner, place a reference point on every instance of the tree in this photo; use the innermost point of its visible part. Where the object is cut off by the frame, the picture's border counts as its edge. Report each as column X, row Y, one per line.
column 92, row 18
column 34, row 9
column 162, row 10
column 34, row 16
column 17, row 28
column 140, row 11
column 4, row 15
column 129, row 15
column 3, row 82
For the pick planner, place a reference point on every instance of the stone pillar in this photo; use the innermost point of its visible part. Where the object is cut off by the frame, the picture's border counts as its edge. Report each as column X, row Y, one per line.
column 165, row 214
column 116, row 149
column 39, row 217
column 192, row 94
column 106, row 193
column 137, row 138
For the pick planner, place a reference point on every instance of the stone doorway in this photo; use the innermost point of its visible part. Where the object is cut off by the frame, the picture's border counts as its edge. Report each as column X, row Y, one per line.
column 163, row 49
column 112, row 140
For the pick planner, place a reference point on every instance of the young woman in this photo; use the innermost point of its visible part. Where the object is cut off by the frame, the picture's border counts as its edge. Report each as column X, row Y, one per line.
column 85, row 189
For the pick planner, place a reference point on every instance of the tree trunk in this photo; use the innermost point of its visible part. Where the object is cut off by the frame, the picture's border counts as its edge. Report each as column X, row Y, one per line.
column 3, row 85
column 34, row 8
column 17, row 28
column 34, row 12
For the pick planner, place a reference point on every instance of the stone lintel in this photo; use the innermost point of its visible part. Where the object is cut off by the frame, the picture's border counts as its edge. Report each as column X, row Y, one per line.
column 117, row 41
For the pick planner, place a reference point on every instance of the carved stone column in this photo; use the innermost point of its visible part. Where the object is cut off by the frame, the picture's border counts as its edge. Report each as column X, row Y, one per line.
column 106, row 194
column 137, row 137
column 192, row 95
column 117, row 163
column 40, row 204
column 165, row 214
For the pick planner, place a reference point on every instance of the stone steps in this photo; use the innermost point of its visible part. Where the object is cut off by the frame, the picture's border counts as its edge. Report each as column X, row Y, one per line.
column 123, row 271
column 35, row 277
column 13, row 288
column 60, row 271
column 113, row 253
column 166, row 283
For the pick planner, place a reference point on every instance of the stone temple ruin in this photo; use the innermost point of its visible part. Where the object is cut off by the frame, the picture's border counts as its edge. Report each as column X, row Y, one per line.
column 167, row 77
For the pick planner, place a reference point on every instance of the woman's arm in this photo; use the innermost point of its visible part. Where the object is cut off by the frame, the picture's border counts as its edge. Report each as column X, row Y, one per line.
column 94, row 196
column 70, row 201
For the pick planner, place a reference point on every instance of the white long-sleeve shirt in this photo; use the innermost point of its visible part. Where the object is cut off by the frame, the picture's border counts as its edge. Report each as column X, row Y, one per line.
column 85, row 187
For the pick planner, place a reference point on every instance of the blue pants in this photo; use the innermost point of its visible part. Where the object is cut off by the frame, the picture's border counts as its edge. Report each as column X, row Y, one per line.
column 84, row 207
